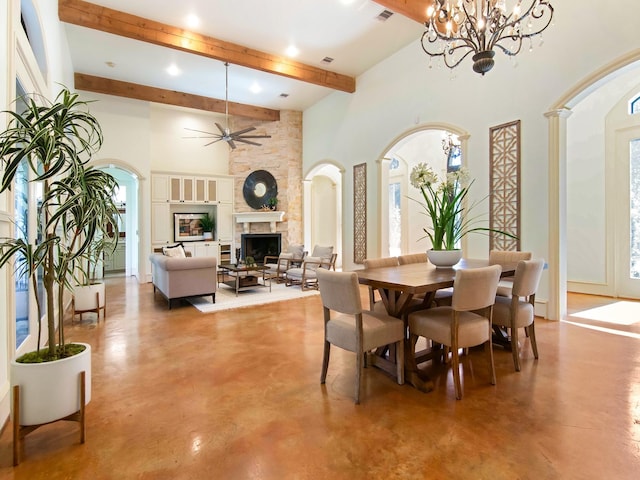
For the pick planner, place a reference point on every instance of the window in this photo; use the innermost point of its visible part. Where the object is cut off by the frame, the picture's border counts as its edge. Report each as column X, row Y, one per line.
column 634, row 106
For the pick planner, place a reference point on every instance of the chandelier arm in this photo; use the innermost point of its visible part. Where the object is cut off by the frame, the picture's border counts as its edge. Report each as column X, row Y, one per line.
column 516, row 23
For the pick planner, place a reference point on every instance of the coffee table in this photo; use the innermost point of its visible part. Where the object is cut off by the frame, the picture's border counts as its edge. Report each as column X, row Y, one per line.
column 242, row 277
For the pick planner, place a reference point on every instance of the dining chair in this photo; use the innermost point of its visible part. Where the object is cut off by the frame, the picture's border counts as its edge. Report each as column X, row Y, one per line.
column 507, row 256
column 466, row 323
column 278, row 265
column 305, row 275
column 442, row 296
column 370, row 263
column 519, row 310
column 348, row 326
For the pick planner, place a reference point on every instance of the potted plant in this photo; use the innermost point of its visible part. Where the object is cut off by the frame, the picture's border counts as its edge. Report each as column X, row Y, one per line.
column 56, row 141
column 273, row 203
column 444, row 205
column 208, row 224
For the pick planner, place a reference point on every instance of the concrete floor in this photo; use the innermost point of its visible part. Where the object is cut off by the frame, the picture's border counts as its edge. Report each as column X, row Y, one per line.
column 178, row 394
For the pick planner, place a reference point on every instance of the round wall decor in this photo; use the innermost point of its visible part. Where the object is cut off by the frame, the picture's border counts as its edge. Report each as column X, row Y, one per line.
column 259, row 187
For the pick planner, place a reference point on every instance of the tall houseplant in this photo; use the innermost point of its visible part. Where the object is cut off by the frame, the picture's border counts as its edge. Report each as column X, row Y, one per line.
column 444, row 204
column 56, row 140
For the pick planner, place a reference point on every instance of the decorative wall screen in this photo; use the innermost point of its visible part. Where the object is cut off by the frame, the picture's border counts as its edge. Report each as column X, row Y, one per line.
column 504, row 214
column 359, row 213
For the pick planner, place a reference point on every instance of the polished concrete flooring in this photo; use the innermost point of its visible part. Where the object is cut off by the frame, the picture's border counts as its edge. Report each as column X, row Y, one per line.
column 178, row 394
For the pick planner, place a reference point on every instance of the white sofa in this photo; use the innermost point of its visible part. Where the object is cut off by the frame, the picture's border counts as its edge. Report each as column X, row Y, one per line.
column 184, row 277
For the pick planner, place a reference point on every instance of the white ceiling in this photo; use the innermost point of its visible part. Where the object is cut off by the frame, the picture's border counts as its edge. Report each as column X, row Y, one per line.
column 346, row 30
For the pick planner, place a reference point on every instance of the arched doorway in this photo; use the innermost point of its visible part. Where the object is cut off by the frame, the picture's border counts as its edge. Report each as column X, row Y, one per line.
column 398, row 235
column 127, row 259
column 557, row 187
column 322, row 207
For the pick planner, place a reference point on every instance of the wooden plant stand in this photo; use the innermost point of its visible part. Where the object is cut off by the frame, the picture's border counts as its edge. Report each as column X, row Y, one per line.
column 20, row 431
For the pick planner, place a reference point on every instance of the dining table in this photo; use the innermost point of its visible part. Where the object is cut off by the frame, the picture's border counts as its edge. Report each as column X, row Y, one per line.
column 398, row 286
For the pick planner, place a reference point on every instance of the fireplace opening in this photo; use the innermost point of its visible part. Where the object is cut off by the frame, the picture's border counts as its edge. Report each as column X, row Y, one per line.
column 258, row 245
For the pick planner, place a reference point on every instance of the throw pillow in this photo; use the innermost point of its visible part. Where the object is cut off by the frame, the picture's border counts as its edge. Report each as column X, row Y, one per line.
column 176, row 251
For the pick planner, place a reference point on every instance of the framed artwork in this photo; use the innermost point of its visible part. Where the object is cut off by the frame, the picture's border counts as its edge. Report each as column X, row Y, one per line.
column 504, row 213
column 187, row 227
column 359, row 213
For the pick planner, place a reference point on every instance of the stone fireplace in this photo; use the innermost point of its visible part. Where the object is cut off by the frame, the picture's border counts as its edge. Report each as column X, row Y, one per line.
column 257, row 245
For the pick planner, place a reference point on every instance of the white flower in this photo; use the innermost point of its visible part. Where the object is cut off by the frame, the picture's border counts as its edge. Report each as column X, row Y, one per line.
column 422, row 175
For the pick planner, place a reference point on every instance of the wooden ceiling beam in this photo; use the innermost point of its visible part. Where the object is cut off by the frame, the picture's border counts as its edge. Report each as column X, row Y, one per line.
column 170, row 97
column 93, row 16
column 413, row 9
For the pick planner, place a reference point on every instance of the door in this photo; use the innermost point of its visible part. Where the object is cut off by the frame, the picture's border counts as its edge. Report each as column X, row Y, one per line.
column 628, row 213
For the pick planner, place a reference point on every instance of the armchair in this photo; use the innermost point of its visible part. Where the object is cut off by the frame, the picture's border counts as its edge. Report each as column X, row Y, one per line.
column 278, row 266
column 305, row 275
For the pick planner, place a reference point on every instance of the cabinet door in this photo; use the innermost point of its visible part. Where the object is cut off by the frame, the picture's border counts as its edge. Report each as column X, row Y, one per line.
column 188, row 189
column 206, row 249
column 211, row 190
column 200, row 190
column 159, row 188
column 175, row 189
column 161, row 228
column 225, row 190
column 225, row 222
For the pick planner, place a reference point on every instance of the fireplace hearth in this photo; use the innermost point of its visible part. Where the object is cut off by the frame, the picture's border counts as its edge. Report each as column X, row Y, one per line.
column 258, row 245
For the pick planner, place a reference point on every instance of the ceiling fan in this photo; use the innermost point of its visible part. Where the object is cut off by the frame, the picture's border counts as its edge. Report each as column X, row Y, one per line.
column 225, row 133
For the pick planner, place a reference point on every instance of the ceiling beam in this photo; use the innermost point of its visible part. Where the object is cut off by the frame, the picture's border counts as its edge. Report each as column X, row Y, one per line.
column 413, row 9
column 89, row 15
column 170, row 97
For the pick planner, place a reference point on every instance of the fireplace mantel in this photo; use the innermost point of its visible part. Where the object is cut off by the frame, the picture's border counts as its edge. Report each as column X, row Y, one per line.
column 247, row 218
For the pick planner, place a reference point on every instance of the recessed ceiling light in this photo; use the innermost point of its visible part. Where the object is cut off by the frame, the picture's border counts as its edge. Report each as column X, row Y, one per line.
column 292, row 51
column 173, row 70
column 255, row 88
column 193, row 21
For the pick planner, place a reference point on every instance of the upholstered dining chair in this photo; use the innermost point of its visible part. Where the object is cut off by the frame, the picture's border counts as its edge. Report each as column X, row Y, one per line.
column 370, row 263
column 278, row 266
column 507, row 256
column 348, row 326
column 466, row 323
column 305, row 275
column 442, row 296
column 518, row 311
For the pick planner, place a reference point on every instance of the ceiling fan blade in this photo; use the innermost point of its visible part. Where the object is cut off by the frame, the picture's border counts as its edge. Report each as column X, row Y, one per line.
column 212, row 142
column 240, row 132
column 254, row 136
column 199, row 131
column 231, row 144
column 242, row 140
column 222, row 130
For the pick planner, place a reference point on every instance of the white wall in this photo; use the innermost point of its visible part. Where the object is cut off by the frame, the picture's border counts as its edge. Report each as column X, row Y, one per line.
column 401, row 91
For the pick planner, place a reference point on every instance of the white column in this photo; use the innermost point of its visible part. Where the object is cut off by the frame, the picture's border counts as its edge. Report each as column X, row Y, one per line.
column 557, row 306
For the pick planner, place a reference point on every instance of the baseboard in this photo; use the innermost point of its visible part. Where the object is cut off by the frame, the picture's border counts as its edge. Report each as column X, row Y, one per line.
column 540, row 308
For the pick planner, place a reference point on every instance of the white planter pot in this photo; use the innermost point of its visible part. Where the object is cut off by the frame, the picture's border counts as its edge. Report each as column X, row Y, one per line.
column 444, row 258
column 51, row 391
column 207, row 235
column 89, row 298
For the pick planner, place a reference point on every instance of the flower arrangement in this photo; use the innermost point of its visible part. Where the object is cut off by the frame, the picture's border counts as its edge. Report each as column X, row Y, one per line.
column 444, row 205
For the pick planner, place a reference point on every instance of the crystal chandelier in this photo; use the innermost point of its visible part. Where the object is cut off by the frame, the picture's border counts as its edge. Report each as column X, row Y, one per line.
column 457, row 28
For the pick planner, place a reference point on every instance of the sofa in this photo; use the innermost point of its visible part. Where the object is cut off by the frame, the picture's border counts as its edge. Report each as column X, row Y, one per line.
column 183, row 277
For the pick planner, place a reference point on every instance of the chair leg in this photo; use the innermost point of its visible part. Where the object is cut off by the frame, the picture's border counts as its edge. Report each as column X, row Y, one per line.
column 492, row 368
column 532, row 337
column 325, row 361
column 400, row 362
column 515, row 350
column 359, row 361
column 455, row 364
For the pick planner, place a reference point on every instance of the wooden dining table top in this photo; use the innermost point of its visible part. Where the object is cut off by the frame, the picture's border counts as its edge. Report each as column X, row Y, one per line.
column 418, row 278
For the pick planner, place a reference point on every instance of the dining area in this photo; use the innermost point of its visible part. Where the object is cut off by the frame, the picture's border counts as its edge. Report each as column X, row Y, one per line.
column 422, row 318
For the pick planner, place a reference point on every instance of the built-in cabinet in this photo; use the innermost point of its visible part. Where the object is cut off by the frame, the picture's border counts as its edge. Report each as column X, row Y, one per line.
column 173, row 193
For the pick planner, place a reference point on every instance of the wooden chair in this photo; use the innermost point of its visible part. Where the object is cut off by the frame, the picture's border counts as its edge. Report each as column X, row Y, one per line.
column 278, row 266
column 305, row 275
column 370, row 263
column 518, row 311
column 466, row 323
column 348, row 326
column 412, row 258
column 441, row 297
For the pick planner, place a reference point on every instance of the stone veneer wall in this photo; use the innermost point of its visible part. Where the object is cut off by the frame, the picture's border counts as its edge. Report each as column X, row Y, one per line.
column 280, row 155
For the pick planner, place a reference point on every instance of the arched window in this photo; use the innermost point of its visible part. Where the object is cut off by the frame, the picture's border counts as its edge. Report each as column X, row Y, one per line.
column 634, row 106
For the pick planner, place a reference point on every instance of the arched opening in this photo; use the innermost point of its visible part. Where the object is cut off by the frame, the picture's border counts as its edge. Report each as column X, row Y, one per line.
column 323, row 208
column 127, row 258
column 558, row 181
column 398, row 235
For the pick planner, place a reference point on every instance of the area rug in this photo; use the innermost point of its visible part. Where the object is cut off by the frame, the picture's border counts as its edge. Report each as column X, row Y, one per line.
column 226, row 297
